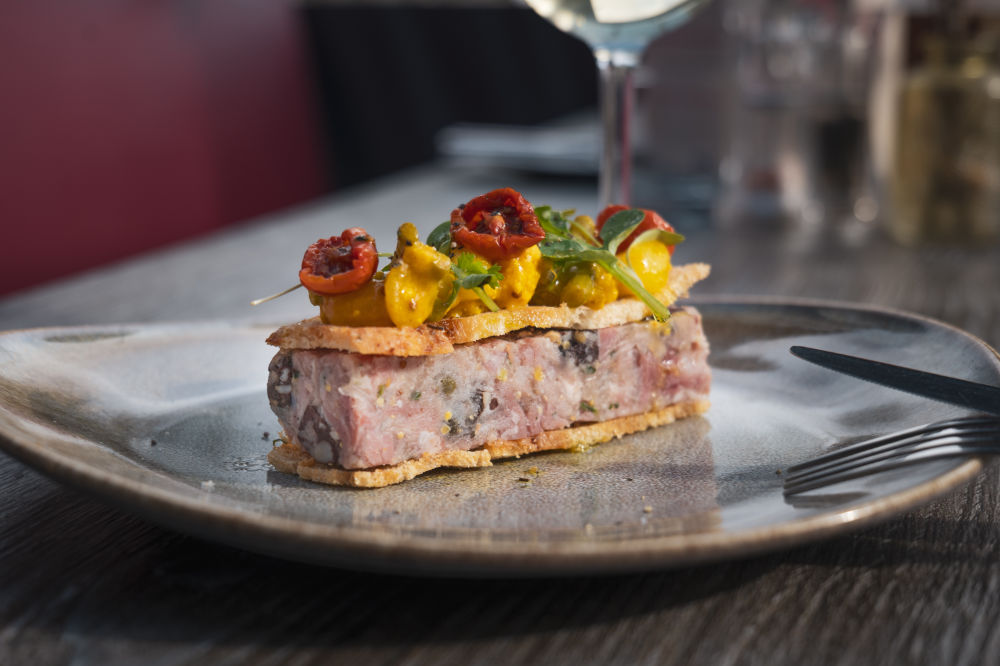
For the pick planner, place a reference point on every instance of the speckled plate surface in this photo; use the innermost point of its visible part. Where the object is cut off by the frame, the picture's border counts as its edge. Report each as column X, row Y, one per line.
column 172, row 422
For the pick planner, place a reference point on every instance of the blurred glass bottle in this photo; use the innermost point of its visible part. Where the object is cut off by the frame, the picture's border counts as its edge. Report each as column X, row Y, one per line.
column 796, row 113
column 944, row 184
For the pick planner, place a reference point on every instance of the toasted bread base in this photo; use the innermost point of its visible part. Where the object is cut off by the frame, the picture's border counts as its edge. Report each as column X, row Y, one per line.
column 442, row 336
column 292, row 459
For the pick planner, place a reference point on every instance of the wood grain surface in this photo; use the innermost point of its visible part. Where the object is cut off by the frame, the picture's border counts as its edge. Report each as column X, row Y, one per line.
column 85, row 583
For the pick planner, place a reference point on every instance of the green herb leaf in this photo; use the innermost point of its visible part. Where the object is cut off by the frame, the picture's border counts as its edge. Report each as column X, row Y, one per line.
column 485, row 298
column 561, row 249
column 618, row 227
column 562, row 225
column 473, row 272
column 440, row 237
column 572, row 250
column 552, row 221
column 470, row 273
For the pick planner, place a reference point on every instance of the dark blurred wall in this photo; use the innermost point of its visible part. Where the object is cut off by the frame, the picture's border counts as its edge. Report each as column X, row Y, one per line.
column 391, row 77
column 127, row 124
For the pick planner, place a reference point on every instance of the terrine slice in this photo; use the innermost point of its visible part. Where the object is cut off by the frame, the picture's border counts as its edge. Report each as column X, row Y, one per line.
column 360, row 411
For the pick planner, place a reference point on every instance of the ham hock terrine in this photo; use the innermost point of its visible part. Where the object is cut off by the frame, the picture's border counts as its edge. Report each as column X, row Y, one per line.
column 361, row 411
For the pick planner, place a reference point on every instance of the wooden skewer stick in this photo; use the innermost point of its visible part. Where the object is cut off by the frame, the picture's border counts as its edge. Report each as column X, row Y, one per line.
column 274, row 296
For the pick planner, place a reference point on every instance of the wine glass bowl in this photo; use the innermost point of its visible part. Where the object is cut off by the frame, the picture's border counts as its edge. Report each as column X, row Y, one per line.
column 617, row 32
column 619, row 28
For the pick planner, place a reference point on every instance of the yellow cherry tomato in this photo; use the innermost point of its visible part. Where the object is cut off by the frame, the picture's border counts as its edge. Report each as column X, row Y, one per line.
column 651, row 262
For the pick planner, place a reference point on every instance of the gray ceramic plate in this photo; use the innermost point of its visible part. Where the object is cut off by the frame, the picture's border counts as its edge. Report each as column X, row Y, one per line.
column 172, row 422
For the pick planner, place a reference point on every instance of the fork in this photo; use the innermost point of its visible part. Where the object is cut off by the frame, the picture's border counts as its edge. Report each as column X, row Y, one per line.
column 971, row 435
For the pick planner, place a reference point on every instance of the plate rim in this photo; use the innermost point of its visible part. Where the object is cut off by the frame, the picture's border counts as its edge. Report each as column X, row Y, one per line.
column 327, row 544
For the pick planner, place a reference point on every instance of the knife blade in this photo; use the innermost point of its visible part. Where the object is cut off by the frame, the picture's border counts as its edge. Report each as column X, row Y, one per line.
column 954, row 391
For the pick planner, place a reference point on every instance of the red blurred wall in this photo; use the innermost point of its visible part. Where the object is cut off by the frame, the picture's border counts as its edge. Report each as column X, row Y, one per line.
column 127, row 124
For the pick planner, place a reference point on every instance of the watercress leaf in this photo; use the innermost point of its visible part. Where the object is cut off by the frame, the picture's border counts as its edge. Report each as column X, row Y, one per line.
column 617, row 227
column 552, row 222
column 440, row 237
column 551, row 230
column 595, row 255
column 563, row 248
column 573, row 250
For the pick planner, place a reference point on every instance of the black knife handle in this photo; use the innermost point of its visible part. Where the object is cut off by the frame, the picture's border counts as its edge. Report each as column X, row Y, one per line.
column 973, row 395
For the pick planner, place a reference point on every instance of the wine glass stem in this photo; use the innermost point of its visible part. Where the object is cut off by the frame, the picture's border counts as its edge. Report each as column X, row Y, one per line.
column 617, row 96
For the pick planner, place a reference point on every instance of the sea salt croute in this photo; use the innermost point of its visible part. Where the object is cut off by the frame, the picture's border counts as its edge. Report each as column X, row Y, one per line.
column 361, row 411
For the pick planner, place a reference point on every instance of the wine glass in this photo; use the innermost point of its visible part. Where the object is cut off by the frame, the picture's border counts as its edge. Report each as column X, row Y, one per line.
column 617, row 31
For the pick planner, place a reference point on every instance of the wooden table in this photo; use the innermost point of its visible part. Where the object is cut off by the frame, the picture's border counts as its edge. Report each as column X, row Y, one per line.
column 83, row 583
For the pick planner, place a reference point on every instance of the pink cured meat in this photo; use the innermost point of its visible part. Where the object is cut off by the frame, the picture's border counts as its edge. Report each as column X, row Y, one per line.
column 360, row 411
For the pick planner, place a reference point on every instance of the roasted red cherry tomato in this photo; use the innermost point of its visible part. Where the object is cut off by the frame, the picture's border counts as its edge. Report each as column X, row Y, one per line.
column 339, row 264
column 652, row 220
column 497, row 225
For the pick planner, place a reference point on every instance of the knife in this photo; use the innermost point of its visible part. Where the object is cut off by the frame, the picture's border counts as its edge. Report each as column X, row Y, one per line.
column 960, row 392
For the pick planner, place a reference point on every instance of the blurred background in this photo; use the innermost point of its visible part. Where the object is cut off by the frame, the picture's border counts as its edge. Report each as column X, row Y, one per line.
column 129, row 125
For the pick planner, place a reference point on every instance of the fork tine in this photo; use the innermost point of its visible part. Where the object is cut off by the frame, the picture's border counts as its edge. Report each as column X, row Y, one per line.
column 874, row 448
column 870, row 464
column 935, row 453
column 896, row 436
column 954, row 437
